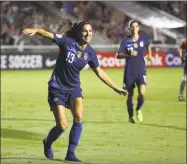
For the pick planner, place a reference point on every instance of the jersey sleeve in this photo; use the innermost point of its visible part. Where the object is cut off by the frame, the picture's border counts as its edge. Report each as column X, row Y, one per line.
column 58, row 39
column 122, row 47
column 93, row 62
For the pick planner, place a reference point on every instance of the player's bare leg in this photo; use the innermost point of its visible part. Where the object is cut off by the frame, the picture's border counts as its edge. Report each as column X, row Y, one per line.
column 140, row 100
column 182, row 87
column 56, row 131
column 76, row 130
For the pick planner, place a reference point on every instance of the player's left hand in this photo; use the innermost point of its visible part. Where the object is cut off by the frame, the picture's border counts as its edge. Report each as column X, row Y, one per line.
column 148, row 58
column 121, row 91
column 29, row 31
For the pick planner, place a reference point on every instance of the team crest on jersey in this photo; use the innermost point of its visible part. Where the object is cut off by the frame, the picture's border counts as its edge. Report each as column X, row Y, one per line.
column 135, row 45
column 141, row 44
column 85, row 56
column 58, row 35
column 79, row 54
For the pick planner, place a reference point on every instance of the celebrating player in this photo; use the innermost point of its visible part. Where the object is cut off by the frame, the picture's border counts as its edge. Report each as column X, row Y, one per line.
column 64, row 89
column 183, row 54
column 132, row 48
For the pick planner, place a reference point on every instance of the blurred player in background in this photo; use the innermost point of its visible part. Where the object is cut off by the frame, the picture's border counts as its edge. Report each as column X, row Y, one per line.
column 64, row 89
column 132, row 48
column 183, row 54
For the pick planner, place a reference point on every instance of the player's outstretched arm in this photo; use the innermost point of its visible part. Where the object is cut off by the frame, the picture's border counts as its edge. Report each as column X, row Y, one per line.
column 105, row 78
column 39, row 31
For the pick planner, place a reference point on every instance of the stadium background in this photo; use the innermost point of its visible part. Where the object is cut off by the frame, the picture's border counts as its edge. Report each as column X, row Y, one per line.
column 24, row 116
column 165, row 26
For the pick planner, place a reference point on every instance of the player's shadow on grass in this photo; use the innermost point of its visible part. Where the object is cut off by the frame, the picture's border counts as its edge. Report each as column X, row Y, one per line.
column 44, row 159
column 29, row 159
column 97, row 122
column 21, row 134
column 66, row 162
column 141, row 124
column 164, row 126
column 20, row 158
column 27, row 119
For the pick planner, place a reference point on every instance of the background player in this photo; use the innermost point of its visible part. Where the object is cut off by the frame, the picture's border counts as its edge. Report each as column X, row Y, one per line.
column 64, row 84
column 183, row 54
column 132, row 48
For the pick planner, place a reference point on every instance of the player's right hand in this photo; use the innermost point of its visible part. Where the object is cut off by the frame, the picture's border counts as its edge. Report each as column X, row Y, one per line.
column 121, row 91
column 30, row 31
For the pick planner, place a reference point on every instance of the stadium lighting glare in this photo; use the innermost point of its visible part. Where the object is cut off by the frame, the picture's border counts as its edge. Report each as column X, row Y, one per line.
column 163, row 23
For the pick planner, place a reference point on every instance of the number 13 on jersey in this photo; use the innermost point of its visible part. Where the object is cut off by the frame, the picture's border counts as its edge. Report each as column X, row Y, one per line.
column 70, row 57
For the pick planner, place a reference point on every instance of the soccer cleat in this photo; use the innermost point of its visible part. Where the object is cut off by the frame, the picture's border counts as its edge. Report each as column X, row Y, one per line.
column 139, row 115
column 48, row 152
column 72, row 157
column 132, row 120
column 181, row 98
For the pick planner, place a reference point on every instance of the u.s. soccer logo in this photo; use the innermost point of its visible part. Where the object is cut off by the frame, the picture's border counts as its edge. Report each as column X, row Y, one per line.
column 79, row 54
column 85, row 56
column 135, row 45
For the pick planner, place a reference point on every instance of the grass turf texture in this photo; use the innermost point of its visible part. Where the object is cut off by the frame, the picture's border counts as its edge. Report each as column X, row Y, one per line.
column 107, row 136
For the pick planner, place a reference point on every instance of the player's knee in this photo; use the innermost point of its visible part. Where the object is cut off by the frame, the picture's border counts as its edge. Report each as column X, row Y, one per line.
column 78, row 118
column 63, row 125
column 142, row 94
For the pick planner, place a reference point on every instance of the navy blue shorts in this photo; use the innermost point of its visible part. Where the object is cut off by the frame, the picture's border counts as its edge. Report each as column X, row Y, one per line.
column 59, row 97
column 130, row 81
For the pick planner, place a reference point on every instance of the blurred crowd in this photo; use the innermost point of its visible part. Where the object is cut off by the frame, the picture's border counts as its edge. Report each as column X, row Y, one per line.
column 176, row 8
column 16, row 16
column 111, row 23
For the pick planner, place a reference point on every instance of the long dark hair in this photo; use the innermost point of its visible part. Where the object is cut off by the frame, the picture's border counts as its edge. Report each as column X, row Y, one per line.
column 70, row 29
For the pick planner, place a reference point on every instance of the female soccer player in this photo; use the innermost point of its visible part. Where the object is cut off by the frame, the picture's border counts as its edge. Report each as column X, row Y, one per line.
column 64, row 89
column 183, row 48
column 132, row 48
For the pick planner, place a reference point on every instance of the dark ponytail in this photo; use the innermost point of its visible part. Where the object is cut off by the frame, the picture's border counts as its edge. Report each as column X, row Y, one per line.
column 68, row 28
column 65, row 26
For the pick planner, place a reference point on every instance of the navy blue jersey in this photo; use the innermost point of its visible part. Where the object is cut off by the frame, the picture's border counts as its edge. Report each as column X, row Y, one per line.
column 135, row 64
column 71, row 60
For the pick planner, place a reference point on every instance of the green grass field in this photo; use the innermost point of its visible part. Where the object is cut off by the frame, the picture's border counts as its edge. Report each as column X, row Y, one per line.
column 107, row 136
